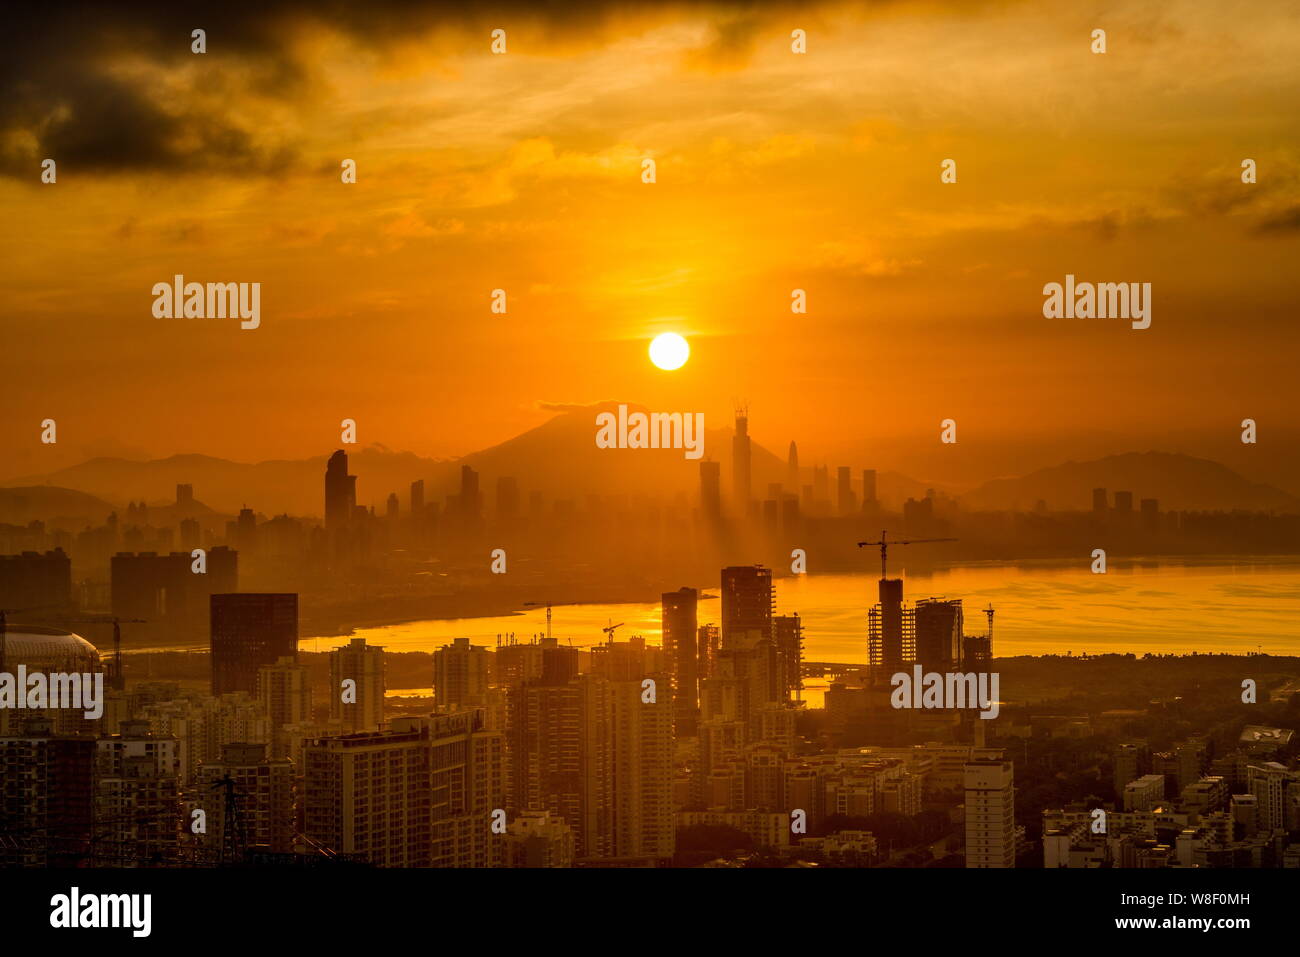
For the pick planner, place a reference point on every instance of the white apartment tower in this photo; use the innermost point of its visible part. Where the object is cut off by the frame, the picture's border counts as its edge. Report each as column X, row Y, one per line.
column 990, row 814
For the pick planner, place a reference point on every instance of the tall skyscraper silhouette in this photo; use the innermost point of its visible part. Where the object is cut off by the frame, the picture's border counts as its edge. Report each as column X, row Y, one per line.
column 746, row 602
column 679, row 642
column 844, row 490
column 869, row 502
column 889, row 638
column 711, row 490
column 248, row 631
column 340, row 491
column 740, row 461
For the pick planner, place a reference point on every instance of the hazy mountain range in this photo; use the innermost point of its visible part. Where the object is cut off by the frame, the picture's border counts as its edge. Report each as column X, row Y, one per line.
column 561, row 460
column 1178, row 482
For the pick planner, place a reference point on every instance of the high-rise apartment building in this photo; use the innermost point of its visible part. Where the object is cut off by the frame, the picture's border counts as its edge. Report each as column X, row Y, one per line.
column 746, row 602
column 461, row 674
column 679, row 637
column 248, row 800
column 990, row 814
column 356, row 690
column 137, row 798
column 420, row 793
column 597, row 755
column 284, row 691
column 47, row 792
column 36, row 580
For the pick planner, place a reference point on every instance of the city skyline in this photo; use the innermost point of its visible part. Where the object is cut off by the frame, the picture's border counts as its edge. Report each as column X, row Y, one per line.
column 467, row 180
column 709, row 435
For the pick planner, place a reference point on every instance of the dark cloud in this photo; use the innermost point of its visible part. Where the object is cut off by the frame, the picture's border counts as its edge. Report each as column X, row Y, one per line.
column 61, row 96
column 1283, row 221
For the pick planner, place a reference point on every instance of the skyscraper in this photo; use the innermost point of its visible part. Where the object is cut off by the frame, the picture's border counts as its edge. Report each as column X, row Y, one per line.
column 710, row 491
column 792, row 467
column 746, row 602
column 250, row 630
column 787, row 634
column 260, row 802
column 360, row 705
column 869, row 502
column 284, row 690
column 35, row 580
column 507, row 497
column 460, row 676
column 938, row 630
column 844, row 490
column 679, row 635
column 889, row 637
column 740, row 461
column 419, row 793
column 137, row 797
column 469, row 498
column 990, row 814
column 48, row 783
column 340, row 491
column 165, row 591
column 596, row 755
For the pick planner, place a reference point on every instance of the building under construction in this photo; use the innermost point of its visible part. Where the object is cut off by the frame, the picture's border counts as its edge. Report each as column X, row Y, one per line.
column 930, row 634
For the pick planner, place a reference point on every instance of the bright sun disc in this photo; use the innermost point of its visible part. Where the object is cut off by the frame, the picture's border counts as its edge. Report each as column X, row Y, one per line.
column 669, row 351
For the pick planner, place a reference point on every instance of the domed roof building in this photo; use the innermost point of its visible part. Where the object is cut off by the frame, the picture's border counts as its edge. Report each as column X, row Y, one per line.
column 47, row 649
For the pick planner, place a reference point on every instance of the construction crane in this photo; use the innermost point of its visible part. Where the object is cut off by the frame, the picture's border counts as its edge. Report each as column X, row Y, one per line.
column 609, row 631
column 989, row 611
column 549, row 605
column 884, row 544
column 118, row 679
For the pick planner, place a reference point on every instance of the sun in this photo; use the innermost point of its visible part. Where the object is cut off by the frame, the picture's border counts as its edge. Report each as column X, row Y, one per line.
column 669, row 351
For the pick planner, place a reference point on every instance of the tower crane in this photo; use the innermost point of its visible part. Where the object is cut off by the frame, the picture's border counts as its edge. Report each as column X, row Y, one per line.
column 118, row 680
column 609, row 631
column 549, row 605
column 884, row 544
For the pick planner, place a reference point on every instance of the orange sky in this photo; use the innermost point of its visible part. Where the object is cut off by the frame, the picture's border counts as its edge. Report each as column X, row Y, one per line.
column 775, row 171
